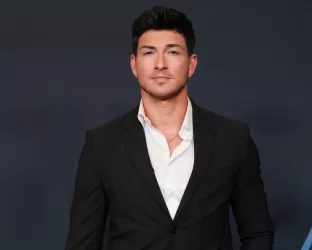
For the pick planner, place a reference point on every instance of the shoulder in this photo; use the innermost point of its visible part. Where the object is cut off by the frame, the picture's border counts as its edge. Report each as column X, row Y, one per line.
column 231, row 135
column 222, row 121
column 111, row 128
column 225, row 127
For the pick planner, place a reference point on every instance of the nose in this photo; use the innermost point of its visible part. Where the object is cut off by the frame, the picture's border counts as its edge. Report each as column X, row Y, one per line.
column 160, row 62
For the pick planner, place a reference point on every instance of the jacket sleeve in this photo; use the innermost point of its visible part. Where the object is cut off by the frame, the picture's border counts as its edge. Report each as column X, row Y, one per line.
column 249, row 202
column 89, row 208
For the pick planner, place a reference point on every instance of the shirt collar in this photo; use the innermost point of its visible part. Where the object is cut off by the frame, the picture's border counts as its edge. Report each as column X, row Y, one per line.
column 187, row 122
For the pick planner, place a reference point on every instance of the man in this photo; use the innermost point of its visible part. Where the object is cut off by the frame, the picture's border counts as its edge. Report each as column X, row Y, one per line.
column 167, row 172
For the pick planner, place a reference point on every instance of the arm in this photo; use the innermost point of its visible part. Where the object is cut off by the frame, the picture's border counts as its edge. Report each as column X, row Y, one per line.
column 88, row 212
column 249, row 203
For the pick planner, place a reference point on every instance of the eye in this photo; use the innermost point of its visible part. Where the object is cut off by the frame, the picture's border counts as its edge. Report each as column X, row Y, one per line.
column 173, row 52
column 148, row 53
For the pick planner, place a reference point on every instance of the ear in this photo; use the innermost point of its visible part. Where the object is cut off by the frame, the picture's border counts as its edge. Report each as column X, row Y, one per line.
column 133, row 66
column 192, row 65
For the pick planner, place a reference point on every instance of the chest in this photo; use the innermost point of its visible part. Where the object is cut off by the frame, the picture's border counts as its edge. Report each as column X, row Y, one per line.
column 172, row 163
column 163, row 154
column 172, row 145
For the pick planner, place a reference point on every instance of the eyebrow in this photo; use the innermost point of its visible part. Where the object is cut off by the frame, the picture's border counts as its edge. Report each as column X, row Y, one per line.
column 171, row 45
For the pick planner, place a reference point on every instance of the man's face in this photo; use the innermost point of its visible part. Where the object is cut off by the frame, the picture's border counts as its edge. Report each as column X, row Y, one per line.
column 162, row 65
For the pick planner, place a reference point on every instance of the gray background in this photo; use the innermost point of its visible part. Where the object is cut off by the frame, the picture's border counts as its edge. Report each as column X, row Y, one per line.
column 64, row 68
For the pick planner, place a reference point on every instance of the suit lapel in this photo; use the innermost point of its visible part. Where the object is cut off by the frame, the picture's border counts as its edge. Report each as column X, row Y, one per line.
column 136, row 147
column 204, row 135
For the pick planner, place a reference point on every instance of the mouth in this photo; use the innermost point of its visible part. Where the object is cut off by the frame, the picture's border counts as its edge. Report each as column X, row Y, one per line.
column 160, row 77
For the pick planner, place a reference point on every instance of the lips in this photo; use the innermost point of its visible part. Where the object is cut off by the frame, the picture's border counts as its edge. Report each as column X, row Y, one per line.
column 160, row 77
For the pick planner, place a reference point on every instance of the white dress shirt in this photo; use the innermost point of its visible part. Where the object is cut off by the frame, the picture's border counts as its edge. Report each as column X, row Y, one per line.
column 172, row 172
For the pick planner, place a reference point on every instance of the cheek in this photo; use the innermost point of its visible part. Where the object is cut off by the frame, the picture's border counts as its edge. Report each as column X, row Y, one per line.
column 143, row 70
column 181, row 70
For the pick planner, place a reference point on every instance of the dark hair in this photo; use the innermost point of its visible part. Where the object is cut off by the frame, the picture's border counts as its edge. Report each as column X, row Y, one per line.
column 161, row 18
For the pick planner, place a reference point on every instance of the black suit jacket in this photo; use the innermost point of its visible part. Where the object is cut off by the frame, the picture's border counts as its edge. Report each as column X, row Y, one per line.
column 115, row 177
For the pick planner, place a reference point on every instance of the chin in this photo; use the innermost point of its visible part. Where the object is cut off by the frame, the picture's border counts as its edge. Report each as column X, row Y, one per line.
column 164, row 93
column 163, row 97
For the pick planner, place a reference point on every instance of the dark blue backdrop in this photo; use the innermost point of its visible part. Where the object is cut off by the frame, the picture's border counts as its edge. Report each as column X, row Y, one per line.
column 65, row 68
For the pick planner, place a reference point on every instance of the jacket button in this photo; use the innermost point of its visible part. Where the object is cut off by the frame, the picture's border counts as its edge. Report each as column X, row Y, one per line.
column 173, row 230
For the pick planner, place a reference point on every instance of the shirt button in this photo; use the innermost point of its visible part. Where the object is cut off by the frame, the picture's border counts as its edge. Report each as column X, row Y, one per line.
column 173, row 230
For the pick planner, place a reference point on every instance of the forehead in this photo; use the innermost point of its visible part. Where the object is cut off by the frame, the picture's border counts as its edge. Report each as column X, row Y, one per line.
column 161, row 38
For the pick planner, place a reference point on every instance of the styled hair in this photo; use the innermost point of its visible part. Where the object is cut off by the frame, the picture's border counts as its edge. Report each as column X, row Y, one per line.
column 162, row 18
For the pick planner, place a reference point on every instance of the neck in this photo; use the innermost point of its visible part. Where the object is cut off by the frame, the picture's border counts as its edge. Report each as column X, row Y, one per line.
column 166, row 115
